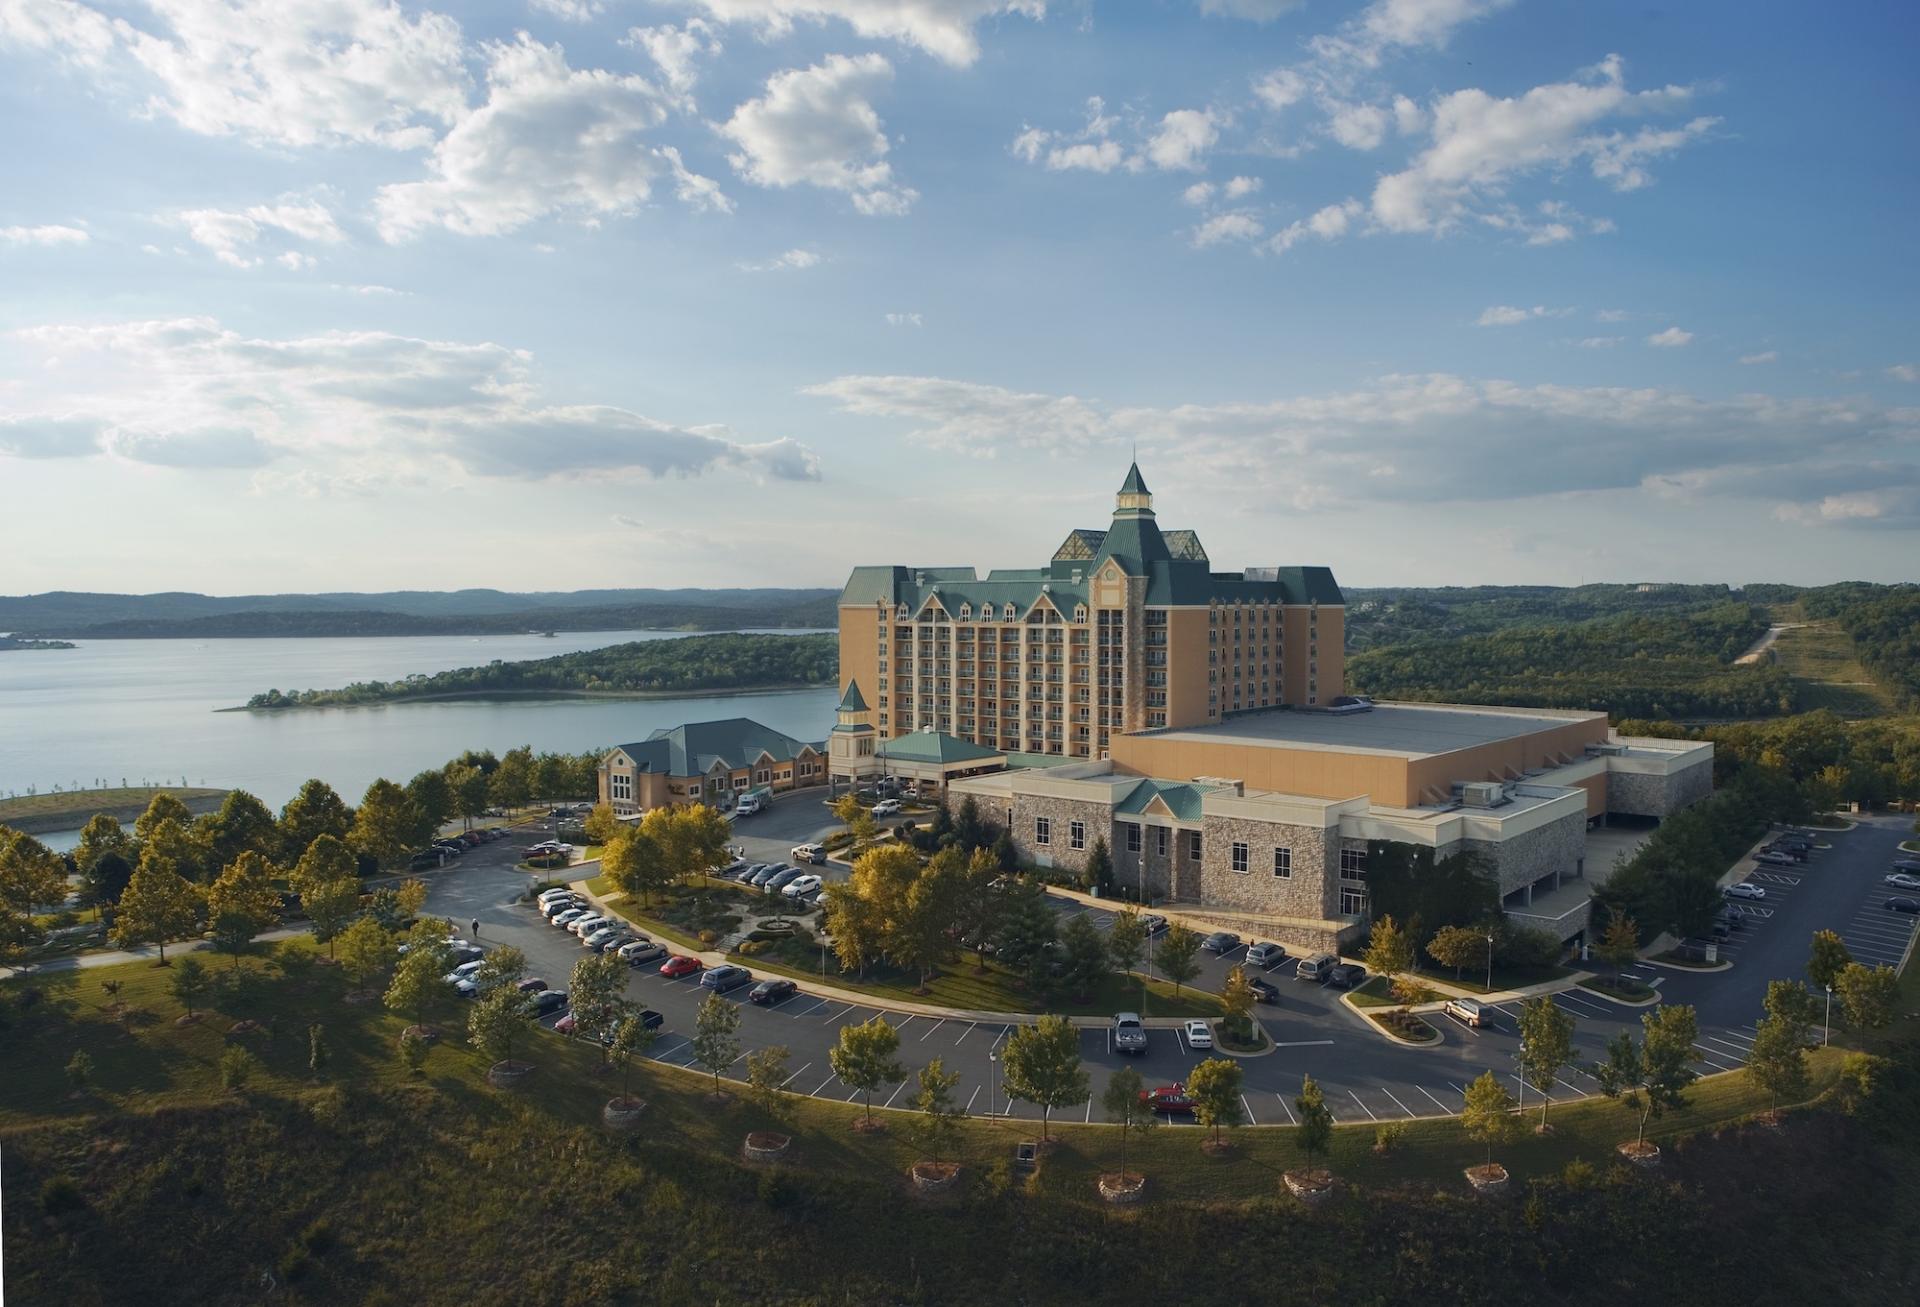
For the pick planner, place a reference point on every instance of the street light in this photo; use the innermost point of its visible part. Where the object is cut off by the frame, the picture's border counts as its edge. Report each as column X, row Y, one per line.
column 1489, row 962
column 1826, row 1026
column 993, row 1079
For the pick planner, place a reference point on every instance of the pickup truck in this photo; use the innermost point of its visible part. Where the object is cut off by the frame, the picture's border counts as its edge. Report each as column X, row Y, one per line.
column 1129, row 1036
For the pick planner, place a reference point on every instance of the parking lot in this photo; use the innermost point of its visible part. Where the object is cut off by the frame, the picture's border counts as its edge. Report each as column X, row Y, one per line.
column 1366, row 1079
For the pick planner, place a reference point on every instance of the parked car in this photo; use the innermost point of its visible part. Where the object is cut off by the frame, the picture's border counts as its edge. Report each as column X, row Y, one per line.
column 426, row 861
column 549, row 1001
column 781, row 879
column 463, row 971
column 887, row 808
column 1772, row 858
column 1903, row 880
column 1129, row 1036
column 800, row 885
column 649, row 1019
column 466, row 987
column 1902, row 904
column 1221, row 941
column 557, row 892
column 1266, row 956
column 1153, row 923
column 1744, row 890
column 1171, row 1099
column 641, row 950
column 1347, row 975
column 599, row 939
column 531, row 985
column 725, row 977
column 554, row 909
column 1467, row 1012
column 679, row 965
column 749, row 805
column 1263, row 990
column 810, row 854
column 769, row 992
column 767, row 873
column 1315, row 967
column 1199, row 1034
column 746, row 874
column 566, row 1025
column 1906, row 864
column 585, row 926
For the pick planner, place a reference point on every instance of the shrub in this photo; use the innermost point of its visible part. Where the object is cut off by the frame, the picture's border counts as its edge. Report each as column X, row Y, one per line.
column 1527, row 946
column 751, row 947
column 709, row 937
column 60, row 1194
column 1386, row 1138
column 236, row 1068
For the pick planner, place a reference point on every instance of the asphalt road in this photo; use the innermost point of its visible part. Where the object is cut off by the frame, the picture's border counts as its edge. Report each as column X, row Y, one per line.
column 1365, row 1077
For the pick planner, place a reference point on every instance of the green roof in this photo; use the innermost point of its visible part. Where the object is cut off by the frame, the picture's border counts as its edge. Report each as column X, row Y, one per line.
column 935, row 746
column 693, row 749
column 852, row 701
column 1184, row 800
column 1135, row 484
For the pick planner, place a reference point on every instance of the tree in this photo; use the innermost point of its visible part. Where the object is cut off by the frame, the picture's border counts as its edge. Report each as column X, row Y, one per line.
column 1178, row 955
column 164, row 806
column 242, row 824
column 413, row 1049
column 598, row 998
column 1315, row 1129
column 102, row 838
column 236, row 1068
column 980, row 902
column 1693, row 902
column 317, row 1051
column 939, row 1119
column 716, row 1041
column 1127, row 943
column 1121, row 1099
column 419, row 982
column 1777, row 1062
column 326, row 859
column 410, row 896
column 1214, row 1087
column 970, row 831
column 1488, row 1114
column 695, row 839
column 918, row 937
column 1619, row 944
column 31, row 874
column 158, row 907
column 1098, row 871
column 1460, row 947
column 1867, row 994
column 317, row 810
column 1043, row 1066
column 433, row 796
column 365, row 951
column 1084, row 953
column 511, row 784
column 1794, row 1004
column 498, row 1020
column 857, row 927
column 1028, row 929
column 1390, row 954
column 767, row 1078
column 601, row 824
column 1546, row 1045
column 331, row 901
column 504, row 966
column 189, row 983
column 633, row 864
column 549, row 776
column 102, row 884
column 242, row 903
column 1827, row 958
column 389, row 825
column 1652, row 1076
column 1236, row 1004
column 632, row 1039
column 80, row 1071
column 469, row 788
column 864, row 1058
column 846, row 807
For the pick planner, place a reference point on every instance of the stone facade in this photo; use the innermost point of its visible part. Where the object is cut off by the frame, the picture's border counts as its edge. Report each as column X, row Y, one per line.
column 1524, row 858
column 1639, row 794
column 1060, row 814
column 1308, row 893
column 1151, row 873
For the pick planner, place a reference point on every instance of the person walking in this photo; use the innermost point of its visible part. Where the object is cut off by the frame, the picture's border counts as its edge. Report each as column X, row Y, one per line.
column 476, row 928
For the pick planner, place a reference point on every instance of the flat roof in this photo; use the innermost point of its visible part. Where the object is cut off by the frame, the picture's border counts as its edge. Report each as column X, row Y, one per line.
column 1401, row 730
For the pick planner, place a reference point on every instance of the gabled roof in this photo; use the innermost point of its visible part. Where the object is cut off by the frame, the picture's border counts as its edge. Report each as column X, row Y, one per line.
column 1183, row 801
column 852, row 700
column 695, row 748
column 935, row 746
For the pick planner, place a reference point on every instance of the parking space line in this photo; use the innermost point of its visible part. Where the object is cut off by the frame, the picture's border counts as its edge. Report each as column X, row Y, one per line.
column 1436, row 1102
column 1390, row 1094
column 936, row 1025
column 818, row 1004
column 1739, row 1049
column 1705, row 1051
column 1088, row 1119
column 1251, row 1120
column 1581, row 1092
column 895, row 1094
column 822, row 1085
column 1363, row 1106
column 968, row 1109
column 1456, row 1089
column 1745, row 1039
column 842, row 1012
column 1285, row 1108
column 971, row 1027
column 796, row 1075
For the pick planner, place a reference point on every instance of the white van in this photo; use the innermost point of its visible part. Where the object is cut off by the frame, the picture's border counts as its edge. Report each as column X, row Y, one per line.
column 810, row 854
column 748, row 805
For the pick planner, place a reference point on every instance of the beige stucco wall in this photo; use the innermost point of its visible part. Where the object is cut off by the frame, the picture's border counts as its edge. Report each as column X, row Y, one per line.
column 1505, row 759
column 859, row 654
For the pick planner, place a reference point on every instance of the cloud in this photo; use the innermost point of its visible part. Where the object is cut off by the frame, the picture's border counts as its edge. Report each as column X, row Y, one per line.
column 1601, row 342
column 1233, row 225
column 549, row 140
column 1505, row 315
column 275, row 72
column 817, row 127
column 1671, row 338
column 1765, row 356
column 48, row 235
column 795, row 258
column 1328, row 224
column 1198, row 195
column 943, row 28
column 572, row 11
column 1239, row 187
column 1178, row 141
column 905, row 320
column 1090, row 149
column 1359, row 126
column 351, row 407
column 230, row 233
column 1258, row 11
column 1183, row 139
column 1397, row 439
column 1899, row 371
column 623, row 519
column 1610, row 315
column 676, row 51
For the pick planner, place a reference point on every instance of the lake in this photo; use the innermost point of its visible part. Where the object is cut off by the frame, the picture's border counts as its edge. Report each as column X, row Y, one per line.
column 143, row 711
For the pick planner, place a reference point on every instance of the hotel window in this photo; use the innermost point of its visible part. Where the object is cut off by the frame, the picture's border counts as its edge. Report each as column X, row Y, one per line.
column 1076, row 835
column 1160, row 840
column 1283, row 863
column 762, row 776
column 1353, row 902
column 1042, row 830
column 619, row 786
column 1133, row 836
column 1353, row 864
column 1240, row 857
column 1193, row 845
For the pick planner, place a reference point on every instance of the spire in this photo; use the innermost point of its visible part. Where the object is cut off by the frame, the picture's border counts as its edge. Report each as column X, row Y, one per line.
column 1135, row 484
column 853, row 701
column 1134, row 496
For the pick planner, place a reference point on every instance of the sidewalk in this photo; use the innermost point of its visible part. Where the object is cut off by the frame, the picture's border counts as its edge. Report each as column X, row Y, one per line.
column 114, row 957
column 833, row 993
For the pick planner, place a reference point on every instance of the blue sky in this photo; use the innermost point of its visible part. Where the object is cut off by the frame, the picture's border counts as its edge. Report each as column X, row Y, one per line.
column 567, row 293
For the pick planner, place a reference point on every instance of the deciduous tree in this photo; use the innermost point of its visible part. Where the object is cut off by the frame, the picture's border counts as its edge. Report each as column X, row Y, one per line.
column 419, row 983
column 505, row 966
column 433, row 796
column 1121, row 1099
column 366, row 950
column 31, row 875
column 1868, row 994
column 242, row 903
column 315, row 811
column 163, row 806
column 597, row 995
column 498, row 1020
column 469, row 791
column 716, row 1040
column 189, row 983
column 865, row 1058
column 1546, row 1045
column 158, row 907
column 1043, row 1066
column 939, row 1116
column 601, row 824
column 1214, row 1087
column 1236, row 1004
column 1315, row 1120
column 242, row 824
column 1489, row 1113
column 1777, row 1061
column 633, row 864
column 1827, row 958
column 100, row 836
column 511, row 784
column 389, row 825
column 767, row 1078
column 1619, row 945
column 1652, row 1076
column 1390, row 954
column 1459, row 947
column 1127, row 940
column 1178, row 955
column 631, row 1040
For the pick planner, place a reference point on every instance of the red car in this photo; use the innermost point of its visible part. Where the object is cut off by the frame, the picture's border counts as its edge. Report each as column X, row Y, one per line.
column 1167, row 1098
column 679, row 965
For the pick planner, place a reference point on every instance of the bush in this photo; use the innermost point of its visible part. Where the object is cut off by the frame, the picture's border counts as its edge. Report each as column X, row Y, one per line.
column 59, row 1194
column 1388, row 1137
column 751, row 947
column 237, row 1066
column 709, row 937
column 1527, row 946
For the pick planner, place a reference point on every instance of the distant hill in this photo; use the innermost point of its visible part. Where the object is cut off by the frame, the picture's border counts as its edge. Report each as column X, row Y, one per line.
column 409, row 612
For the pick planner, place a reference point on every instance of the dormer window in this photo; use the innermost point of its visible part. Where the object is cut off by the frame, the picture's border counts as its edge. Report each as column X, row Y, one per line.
column 966, row 612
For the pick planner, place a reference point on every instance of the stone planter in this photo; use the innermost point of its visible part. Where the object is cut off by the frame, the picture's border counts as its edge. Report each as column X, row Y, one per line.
column 622, row 1113
column 1640, row 1154
column 765, row 1146
column 1489, row 1181
column 1121, row 1187
column 509, row 1075
column 1310, row 1187
column 935, row 1177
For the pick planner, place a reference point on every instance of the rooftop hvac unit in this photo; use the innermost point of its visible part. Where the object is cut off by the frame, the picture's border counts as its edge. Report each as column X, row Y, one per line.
column 1483, row 794
column 1609, row 749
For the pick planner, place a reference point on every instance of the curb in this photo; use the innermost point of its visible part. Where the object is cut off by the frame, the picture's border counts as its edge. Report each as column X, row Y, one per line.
column 1626, row 1002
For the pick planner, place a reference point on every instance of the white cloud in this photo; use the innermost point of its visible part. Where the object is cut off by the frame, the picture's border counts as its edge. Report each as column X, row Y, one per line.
column 1328, row 224
column 572, row 11
column 817, row 127
column 278, row 72
column 296, row 260
column 795, row 258
column 1611, row 315
column 1397, row 439
column 1177, row 141
column 1233, row 225
column 943, row 28
column 190, row 393
column 1199, row 195
column 1358, row 126
column 676, row 51
column 1183, row 139
column 1899, row 371
column 231, row 233
column 1239, row 187
column 1258, row 11
column 1506, row 315
column 549, row 140
column 369, row 289
column 1090, row 149
column 905, row 320
column 47, row 235
column 1765, row 356
column 1671, row 338
column 1601, row 342
column 626, row 520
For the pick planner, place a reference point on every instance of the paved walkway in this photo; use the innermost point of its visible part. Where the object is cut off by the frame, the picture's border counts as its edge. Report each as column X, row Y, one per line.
column 114, row 957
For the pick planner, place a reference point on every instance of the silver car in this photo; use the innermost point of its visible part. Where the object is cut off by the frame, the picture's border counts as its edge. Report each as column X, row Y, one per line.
column 599, row 939
column 642, row 951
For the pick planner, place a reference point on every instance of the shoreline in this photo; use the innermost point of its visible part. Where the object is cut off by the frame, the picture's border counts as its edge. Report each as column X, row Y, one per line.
column 487, row 696
column 84, row 804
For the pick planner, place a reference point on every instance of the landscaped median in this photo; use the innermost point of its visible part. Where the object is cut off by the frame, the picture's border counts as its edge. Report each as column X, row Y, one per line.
column 1398, row 1021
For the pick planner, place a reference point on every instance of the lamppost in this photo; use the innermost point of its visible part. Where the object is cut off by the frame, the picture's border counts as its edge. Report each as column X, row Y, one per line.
column 1826, row 1026
column 993, row 1090
column 1489, row 962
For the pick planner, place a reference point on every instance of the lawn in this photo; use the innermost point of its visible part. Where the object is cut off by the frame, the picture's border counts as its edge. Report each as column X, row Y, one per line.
column 1378, row 992
column 1504, row 978
column 1620, row 987
column 73, row 808
column 1822, row 658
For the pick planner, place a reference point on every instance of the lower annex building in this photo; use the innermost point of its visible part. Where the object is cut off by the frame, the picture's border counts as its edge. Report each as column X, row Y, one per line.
column 1253, row 807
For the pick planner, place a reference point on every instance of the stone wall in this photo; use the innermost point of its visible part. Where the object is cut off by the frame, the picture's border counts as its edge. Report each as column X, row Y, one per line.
column 1308, row 893
column 1639, row 794
column 1147, row 873
column 1059, row 851
column 1521, row 860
